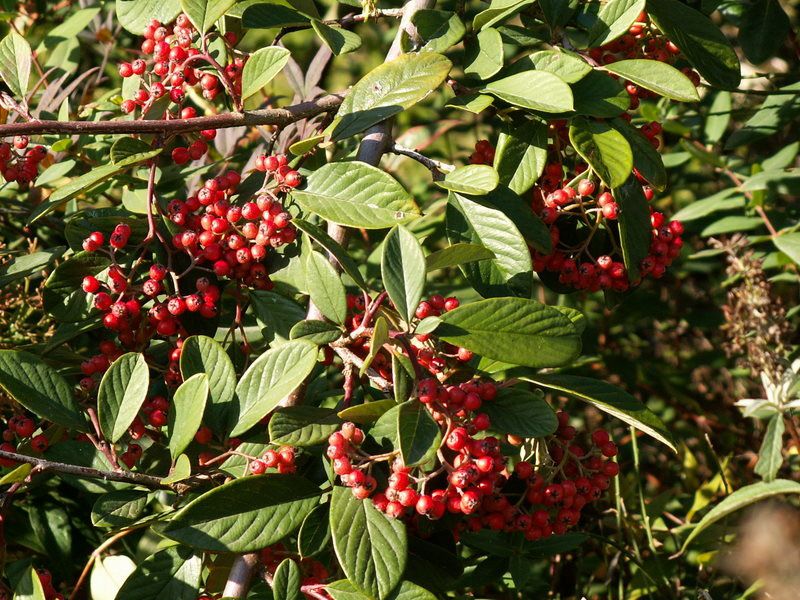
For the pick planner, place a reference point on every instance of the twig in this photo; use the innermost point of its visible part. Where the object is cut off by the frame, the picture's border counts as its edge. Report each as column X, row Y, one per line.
column 350, row 357
column 267, row 116
column 436, row 167
column 123, row 476
column 239, row 578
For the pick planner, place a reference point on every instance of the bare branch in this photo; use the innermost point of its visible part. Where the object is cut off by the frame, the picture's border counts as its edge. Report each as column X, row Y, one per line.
column 436, row 167
column 267, row 116
column 240, row 575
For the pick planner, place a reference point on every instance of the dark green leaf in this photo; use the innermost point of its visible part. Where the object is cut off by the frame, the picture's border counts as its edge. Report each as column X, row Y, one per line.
column 302, row 425
column 286, row 581
column 614, row 20
column 62, row 295
column 775, row 114
column 521, row 155
column 403, row 270
column 634, row 214
column 484, row 54
column 246, row 514
column 520, row 412
column 438, row 29
column 366, row 413
column 418, row 434
column 325, row 287
column 646, row 159
column 763, row 29
column 121, row 394
column 186, row 413
column 29, row 586
column 600, row 95
column 268, row 15
column 316, row 332
column 171, row 574
column 204, row 13
column 315, row 532
column 789, row 244
column 339, row 40
column 119, row 509
column 605, row 149
column 455, row 255
column 498, row 11
column 334, row 248
column 201, row 354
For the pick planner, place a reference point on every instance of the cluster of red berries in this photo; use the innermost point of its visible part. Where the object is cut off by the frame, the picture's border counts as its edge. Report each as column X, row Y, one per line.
column 643, row 40
column 20, row 428
column 20, row 163
column 277, row 166
column 483, row 155
column 232, row 240
column 576, row 258
column 281, row 460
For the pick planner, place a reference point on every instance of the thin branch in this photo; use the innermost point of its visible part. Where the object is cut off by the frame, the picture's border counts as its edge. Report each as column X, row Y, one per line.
column 41, row 465
column 437, row 168
column 351, row 358
column 251, row 118
column 240, row 575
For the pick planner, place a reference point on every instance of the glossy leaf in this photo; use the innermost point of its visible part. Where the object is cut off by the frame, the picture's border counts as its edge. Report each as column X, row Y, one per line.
column 269, row 379
column 325, row 287
column 656, row 76
column 201, row 354
column 403, row 270
column 356, row 194
column 136, row 15
column 498, row 11
column 39, row 388
column 121, row 394
column 699, row 39
column 417, row 433
column 186, row 412
column 269, row 15
column 614, row 20
column 521, row 155
column 371, row 547
column 245, row 514
column 119, row 508
column 286, row 581
column 366, row 413
column 334, row 248
column 302, row 425
column 338, row 39
column 513, row 330
column 315, row 532
column 605, row 149
column 646, row 159
column 171, row 574
column 261, row 68
column 470, row 179
column 389, row 89
column 438, row 29
column 520, row 412
column 15, row 63
column 634, row 215
column 484, row 54
column 537, row 90
column 456, row 255
column 568, row 66
column 749, row 494
column 600, row 95
column 204, row 13
column 763, row 29
column 610, row 399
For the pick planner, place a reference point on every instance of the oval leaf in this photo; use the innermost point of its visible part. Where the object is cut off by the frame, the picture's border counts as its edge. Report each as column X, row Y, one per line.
column 286, row 581
column 418, row 434
column 605, row 149
column 121, row 394
column 325, row 287
column 520, row 412
column 136, row 15
column 201, row 354
column 204, row 13
column 302, row 425
column 537, row 90
column 262, row 66
column 656, row 76
column 471, row 179
column 403, row 271
column 186, row 413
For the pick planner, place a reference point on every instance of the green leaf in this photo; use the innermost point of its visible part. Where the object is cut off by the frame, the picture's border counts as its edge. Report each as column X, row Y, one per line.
column 245, row 514
column 646, row 159
column 521, row 155
column 276, row 313
column 536, row 90
column 204, row 13
column 380, row 336
column 15, row 63
column 119, row 508
column 27, row 265
column 181, row 470
column 470, row 179
column 634, row 214
column 498, row 11
column 136, row 15
column 269, row 379
column 186, row 414
column 366, row 413
column 770, row 456
column 438, row 29
column 564, row 64
column 171, row 574
column 610, row 399
column 699, row 39
column 39, row 388
column 720, row 201
column 338, row 39
column 418, row 434
column 750, row 494
column 777, row 111
column 127, row 146
column 656, row 76
column 334, row 248
column 344, row 590
column 762, row 30
column 480, row 224
column 456, row 255
column 302, row 425
column 520, row 412
column 201, row 354
column 121, row 394
column 484, row 54
column 605, row 149
column 268, row 15
column 371, row 548
column 85, row 182
column 286, row 581
column 614, row 20
column 325, row 287
column 16, row 475
column 789, row 244
column 732, row 224
column 473, row 103
column 600, row 95
column 262, row 67
column 356, row 194
column 316, row 332
column 388, row 90
column 315, row 532
column 29, row 586
column 403, row 270
column 513, row 330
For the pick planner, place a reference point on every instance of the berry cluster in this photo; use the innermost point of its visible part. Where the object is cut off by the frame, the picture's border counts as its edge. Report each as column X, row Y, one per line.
column 281, row 460
column 483, row 155
column 20, row 429
column 233, row 240
column 20, row 163
column 643, row 40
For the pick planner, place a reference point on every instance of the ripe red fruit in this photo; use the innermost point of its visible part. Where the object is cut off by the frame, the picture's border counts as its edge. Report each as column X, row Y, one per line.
column 40, row 443
column 90, row 284
column 292, row 179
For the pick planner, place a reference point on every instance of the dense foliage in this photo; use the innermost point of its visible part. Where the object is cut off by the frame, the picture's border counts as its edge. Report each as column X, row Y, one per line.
column 355, row 301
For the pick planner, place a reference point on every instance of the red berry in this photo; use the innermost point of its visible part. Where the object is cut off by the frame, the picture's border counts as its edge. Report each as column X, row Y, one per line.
column 90, row 285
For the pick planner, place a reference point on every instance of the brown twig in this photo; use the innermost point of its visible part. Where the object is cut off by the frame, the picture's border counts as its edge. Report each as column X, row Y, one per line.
column 268, row 116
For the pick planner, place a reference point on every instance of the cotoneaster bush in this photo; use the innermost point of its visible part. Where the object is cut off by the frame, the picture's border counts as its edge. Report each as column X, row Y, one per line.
column 308, row 299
